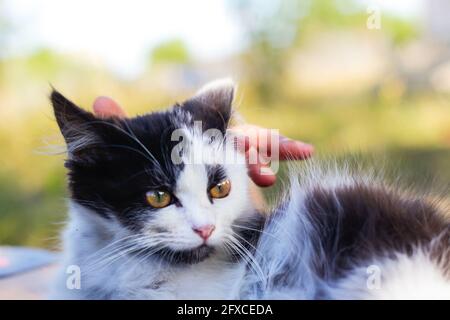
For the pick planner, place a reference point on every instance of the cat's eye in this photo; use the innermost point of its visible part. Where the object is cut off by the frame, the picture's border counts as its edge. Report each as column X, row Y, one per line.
column 158, row 199
column 220, row 190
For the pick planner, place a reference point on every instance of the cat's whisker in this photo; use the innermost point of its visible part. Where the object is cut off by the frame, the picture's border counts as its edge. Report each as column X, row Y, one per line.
column 134, row 138
column 143, row 254
column 246, row 241
column 128, row 148
column 134, row 242
column 103, row 259
column 256, row 230
column 117, row 254
column 246, row 259
column 245, row 253
column 119, row 243
column 109, row 245
column 245, row 250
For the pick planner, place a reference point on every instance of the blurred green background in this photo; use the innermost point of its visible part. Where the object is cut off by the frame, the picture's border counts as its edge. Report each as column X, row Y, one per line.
column 347, row 76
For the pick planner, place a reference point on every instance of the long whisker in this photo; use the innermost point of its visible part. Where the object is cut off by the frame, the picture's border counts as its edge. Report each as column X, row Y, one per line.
column 115, row 247
column 110, row 245
column 246, row 241
column 134, row 138
column 256, row 230
column 249, row 257
column 129, row 148
column 134, row 243
column 117, row 252
column 122, row 252
column 133, row 135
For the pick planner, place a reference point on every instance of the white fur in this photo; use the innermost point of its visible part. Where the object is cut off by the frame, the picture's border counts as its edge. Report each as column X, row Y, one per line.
column 405, row 277
column 224, row 86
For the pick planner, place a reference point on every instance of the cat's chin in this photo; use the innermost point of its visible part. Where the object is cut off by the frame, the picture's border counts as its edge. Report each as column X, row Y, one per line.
column 190, row 256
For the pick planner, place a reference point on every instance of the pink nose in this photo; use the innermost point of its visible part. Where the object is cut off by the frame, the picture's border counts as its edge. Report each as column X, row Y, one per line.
column 204, row 231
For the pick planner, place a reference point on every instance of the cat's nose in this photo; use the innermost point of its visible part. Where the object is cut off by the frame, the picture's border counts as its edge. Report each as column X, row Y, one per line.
column 204, row 231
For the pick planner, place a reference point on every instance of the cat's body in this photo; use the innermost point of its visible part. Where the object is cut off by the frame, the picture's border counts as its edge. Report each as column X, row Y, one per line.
column 346, row 234
column 337, row 234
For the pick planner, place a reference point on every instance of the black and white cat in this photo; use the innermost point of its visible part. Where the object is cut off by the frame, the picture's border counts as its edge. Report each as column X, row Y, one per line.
column 152, row 220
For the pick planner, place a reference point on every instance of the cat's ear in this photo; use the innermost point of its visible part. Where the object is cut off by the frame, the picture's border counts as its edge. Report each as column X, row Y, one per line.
column 76, row 125
column 218, row 94
column 213, row 103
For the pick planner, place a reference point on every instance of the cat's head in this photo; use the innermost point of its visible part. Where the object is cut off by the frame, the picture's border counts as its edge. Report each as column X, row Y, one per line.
column 170, row 179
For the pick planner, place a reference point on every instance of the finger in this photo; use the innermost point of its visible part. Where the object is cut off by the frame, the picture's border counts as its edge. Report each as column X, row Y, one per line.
column 250, row 136
column 294, row 150
column 243, row 134
column 241, row 143
column 261, row 175
column 105, row 107
column 258, row 169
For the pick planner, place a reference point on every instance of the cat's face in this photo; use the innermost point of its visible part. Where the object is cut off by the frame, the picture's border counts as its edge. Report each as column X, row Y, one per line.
column 170, row 181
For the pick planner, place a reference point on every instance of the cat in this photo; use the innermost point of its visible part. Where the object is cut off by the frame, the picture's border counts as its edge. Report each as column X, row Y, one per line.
column 150, row 219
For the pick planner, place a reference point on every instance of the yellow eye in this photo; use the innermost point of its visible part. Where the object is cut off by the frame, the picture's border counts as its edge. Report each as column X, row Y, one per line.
column 158, row 199
column 220, row 190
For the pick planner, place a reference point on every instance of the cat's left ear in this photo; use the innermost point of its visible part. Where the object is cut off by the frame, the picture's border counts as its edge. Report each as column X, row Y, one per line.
column 212, row 104
column 78, row 128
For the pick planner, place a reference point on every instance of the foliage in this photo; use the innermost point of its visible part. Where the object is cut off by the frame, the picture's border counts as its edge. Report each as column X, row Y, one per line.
column 173, row 51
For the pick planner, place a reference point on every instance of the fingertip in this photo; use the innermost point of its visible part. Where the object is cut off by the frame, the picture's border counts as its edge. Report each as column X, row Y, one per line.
column 261, row 175
column 295, row 150
column 305, row 148
column 107, row 107
column 265, row 181
column 241, row 143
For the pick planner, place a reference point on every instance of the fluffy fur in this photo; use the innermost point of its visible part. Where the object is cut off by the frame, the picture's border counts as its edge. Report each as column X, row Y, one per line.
column 337, row 234
column 344, row 234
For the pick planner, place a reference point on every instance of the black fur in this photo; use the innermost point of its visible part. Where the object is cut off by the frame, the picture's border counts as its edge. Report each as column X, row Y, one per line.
column 360, row 222
column 339, row 229
column 213, row 109
column 113, row 174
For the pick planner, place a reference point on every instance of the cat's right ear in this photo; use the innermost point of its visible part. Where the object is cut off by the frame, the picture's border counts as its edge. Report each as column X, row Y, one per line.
column 76, row 125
